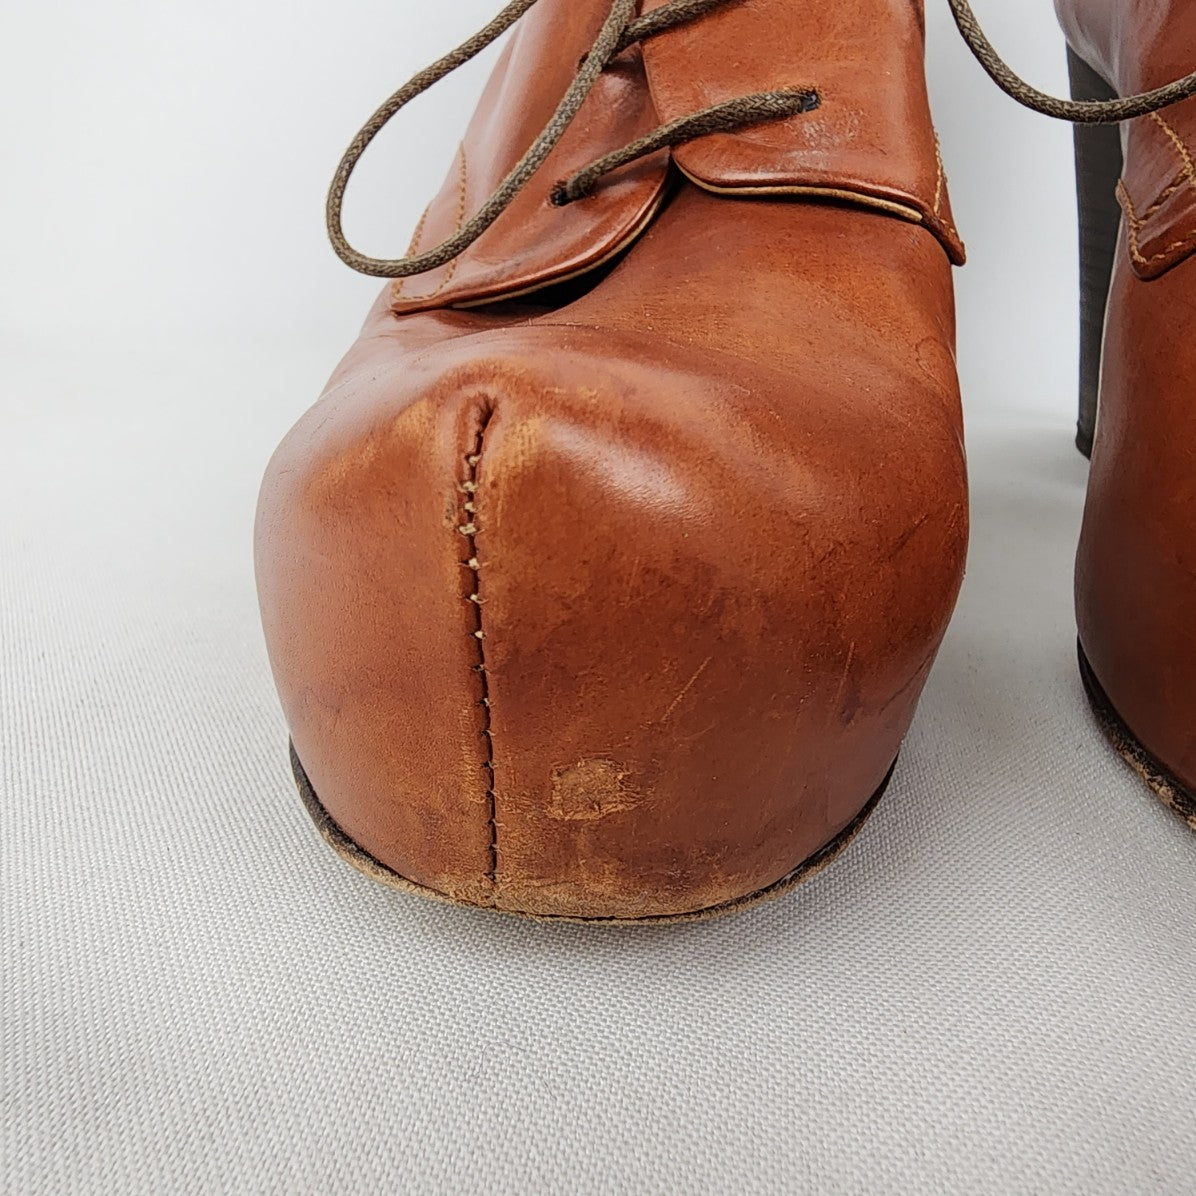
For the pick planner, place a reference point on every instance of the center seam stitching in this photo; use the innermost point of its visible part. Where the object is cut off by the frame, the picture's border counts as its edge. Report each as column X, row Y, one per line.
column 468, row 528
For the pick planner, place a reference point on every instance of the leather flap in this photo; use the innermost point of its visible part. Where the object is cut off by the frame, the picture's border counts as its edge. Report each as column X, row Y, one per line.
column 1158, row 193
column 534, row 243
column 871, row 141
column 1138, row 45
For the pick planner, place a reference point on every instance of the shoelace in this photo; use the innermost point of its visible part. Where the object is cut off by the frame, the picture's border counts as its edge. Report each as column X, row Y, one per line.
column 1078, row 112
column 621, row 29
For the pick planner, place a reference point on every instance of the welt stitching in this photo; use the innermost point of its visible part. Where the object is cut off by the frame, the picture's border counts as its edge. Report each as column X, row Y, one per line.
column 940, row 188
column 469, row 529
column 416, row 238
column 462, row 179
column 1180, row 147
column 1187, row 172
column 1137, row 220
column 938, row 184
column 1167, row 192
column 1135, row 227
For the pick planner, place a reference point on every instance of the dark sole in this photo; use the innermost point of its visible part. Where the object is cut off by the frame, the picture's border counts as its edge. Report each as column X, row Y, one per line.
column 349, row 851
column 1174, row 795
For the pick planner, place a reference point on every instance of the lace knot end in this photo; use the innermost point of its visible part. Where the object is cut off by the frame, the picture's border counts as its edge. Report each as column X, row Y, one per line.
column 570, row 190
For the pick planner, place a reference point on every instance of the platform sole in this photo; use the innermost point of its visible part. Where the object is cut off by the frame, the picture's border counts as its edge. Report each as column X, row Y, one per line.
column 1173, row 794
column 349, row 851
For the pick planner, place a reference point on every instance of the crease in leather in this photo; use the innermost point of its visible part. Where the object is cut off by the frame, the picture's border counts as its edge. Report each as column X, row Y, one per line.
column 872, row 142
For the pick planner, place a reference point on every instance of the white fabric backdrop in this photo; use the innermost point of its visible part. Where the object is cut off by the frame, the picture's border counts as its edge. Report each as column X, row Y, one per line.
column 991, row 992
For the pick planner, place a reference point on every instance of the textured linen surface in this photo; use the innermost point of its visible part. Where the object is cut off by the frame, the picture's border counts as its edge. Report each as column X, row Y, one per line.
column 990, row 992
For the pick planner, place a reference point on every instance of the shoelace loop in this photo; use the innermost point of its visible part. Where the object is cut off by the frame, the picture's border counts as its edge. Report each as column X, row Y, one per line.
column 621, row 29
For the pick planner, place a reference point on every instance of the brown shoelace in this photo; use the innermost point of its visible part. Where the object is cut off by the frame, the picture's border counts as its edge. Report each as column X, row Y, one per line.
column 622, row 29
column 1078, row 112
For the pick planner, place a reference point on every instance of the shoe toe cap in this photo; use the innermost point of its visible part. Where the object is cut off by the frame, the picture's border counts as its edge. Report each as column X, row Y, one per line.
column 566, row 629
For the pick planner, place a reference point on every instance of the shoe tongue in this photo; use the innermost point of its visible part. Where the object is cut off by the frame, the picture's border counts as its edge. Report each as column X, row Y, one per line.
column 871, row 141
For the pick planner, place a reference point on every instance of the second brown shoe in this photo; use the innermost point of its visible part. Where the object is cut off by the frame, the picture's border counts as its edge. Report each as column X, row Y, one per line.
column 1136, row 568
column 604, row 579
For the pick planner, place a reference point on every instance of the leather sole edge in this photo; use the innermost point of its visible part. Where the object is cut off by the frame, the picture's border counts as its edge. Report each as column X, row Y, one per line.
column 1174, row 795
column 369, row 866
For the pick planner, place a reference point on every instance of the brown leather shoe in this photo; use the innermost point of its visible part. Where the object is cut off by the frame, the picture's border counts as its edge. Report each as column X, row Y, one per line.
column 1136, row 568
column 604, row 579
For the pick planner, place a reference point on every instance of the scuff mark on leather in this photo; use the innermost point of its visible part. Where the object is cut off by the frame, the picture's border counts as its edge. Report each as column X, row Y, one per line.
column 686, row 688
column 591, row 789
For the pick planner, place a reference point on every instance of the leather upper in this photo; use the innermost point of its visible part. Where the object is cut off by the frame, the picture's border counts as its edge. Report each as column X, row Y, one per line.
column 870, row 142
column 1136, row 565
column 617, row 600
column 1138, row 45
column 534, row 242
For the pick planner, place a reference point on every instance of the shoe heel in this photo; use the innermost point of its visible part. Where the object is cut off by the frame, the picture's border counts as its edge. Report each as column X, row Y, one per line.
column 1098, row 169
